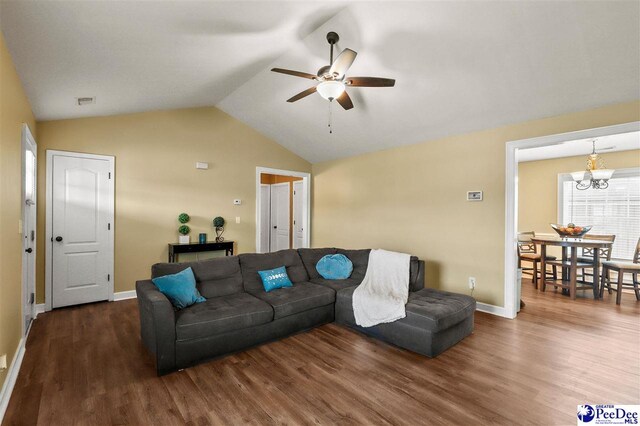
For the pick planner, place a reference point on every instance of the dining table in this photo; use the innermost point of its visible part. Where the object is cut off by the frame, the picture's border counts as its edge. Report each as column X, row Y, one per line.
column 569, row 262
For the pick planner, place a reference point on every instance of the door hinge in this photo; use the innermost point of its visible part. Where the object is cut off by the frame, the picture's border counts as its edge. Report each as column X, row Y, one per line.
column 108, row 277
column 294, row 192
column 32, row 298
column 109, row 175
column 109, row 226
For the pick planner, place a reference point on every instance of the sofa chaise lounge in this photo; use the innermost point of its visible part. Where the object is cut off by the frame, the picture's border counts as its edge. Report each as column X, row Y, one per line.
column 238, row 313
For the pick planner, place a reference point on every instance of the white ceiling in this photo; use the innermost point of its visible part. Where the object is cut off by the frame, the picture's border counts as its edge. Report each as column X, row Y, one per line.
column 613, row 143
column 459, row 66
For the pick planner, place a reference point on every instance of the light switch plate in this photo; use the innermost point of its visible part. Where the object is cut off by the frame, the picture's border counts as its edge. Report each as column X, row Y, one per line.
column 3, row 362
column 202, row 166
column 474, row 195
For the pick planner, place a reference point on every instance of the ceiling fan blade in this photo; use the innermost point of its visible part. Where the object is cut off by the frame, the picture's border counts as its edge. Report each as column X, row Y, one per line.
column 343, row 62
column 295, row 73
column 302, row 94
column 369, row 82
column 345, row 101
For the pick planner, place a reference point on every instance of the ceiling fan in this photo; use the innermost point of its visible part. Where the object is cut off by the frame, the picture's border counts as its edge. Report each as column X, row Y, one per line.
column 332, row 79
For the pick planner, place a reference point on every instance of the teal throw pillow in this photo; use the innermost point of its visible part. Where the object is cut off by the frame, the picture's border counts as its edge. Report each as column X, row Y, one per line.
column 334, row 267
column 180, row 288
column 275, row 278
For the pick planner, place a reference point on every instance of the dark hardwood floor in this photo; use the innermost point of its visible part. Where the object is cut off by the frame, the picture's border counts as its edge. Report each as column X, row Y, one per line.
column 87, row 366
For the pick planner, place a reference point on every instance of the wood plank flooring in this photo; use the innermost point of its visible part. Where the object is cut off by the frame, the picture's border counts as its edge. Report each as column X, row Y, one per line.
column 87, row 366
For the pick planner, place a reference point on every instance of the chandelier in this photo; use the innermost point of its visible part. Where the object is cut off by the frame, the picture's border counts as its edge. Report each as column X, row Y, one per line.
column 596, row 176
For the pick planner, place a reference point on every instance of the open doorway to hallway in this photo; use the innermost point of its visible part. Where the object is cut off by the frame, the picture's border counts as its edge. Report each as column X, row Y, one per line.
column 283, row 207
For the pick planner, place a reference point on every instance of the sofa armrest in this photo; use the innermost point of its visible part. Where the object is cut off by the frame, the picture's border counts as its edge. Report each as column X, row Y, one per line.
column 157, row 325
column 416, row 275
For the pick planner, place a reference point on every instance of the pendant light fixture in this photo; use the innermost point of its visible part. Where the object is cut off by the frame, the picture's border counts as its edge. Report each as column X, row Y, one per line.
column 596, row 176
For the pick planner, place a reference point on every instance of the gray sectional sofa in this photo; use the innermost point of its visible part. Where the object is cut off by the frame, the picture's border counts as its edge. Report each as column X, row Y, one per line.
column 239, row 314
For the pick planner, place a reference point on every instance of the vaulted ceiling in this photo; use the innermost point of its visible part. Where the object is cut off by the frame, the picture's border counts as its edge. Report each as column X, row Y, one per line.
column 459, row 66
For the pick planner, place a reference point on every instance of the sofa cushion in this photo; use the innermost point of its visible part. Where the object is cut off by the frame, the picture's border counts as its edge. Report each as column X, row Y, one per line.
column 251, row 263
column 427, row 309
column 438, row 310
column 335, row 267
column 180, row 288
column 311, row 256
column 215, row 277
column 360, row 260
column 336, row 285
column 301, row 297
column 220, row 315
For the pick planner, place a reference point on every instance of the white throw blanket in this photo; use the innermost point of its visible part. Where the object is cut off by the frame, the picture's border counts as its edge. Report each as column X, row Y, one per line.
column 383, row 294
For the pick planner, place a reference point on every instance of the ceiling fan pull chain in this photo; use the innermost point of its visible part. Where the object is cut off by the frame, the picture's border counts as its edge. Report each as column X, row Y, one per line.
column 330, row 127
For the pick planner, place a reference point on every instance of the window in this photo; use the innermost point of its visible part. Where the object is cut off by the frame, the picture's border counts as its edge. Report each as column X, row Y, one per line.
column 615, row 210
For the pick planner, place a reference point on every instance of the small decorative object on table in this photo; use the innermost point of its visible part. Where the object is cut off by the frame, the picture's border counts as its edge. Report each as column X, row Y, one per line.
column 571, row 230
column 218, row 224
column 202, row 238
column 184, row 230
column 184, row 234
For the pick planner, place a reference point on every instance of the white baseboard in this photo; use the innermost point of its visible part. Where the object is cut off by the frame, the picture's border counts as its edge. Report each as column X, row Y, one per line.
column 124, row 295
column 12, row 376
column 492, row 309
column 39, row 309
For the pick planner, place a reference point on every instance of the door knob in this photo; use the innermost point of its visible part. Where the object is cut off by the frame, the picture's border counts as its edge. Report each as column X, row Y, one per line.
column 29, row 250
column 58, row 238
column 275, row 227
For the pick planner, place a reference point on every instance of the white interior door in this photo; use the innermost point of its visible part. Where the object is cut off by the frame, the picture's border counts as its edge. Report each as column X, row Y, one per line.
column 29, row 174
column 280, row 193
column 82, row 221
column 298, row 214
column 265, row 218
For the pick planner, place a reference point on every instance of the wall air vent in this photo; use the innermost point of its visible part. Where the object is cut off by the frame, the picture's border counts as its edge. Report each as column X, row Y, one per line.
column 85, row 101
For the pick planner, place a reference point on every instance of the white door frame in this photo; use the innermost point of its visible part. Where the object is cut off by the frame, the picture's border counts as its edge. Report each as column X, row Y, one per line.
column 28, row 142
column 306, row 214
column 511, row 199
column 293, row 231
column 49, row 219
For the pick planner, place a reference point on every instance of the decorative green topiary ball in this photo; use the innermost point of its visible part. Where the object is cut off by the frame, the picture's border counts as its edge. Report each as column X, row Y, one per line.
column 184, row 230
column 183, row 218
column 218, row 222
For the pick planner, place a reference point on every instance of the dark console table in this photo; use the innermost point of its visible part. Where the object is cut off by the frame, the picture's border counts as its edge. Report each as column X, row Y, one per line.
column 175, row 248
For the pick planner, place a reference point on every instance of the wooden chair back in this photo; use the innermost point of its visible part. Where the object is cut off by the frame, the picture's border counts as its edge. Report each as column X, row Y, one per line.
column 605, row 253
column 636, row 254
column 524, row 243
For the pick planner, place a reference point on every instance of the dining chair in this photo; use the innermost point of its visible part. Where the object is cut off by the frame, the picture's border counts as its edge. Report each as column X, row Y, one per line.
column 586, row 256
column 621, row 268
column 528, row 252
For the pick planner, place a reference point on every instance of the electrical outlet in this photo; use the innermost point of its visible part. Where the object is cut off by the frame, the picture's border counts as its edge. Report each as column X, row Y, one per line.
column 3, row 362
column 472, row 283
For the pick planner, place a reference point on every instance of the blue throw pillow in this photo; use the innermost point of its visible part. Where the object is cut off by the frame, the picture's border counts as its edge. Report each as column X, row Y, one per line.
column 180, row 288
column 275, row 278
column 335, row 267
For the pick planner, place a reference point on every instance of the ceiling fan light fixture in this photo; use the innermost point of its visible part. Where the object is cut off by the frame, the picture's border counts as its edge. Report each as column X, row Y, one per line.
column 330, row 90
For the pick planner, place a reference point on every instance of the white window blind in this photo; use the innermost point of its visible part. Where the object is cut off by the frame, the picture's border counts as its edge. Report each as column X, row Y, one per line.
column 615, row 210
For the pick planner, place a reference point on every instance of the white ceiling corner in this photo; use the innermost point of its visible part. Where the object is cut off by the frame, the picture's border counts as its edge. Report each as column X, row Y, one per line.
column 459, row 66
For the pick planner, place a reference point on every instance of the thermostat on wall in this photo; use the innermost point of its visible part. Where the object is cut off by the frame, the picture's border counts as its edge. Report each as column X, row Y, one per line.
column 237, row 202
column 474, row 195
column 202, row 166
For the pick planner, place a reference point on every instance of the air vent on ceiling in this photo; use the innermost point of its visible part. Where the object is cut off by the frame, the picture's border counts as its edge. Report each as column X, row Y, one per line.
column 85, row 101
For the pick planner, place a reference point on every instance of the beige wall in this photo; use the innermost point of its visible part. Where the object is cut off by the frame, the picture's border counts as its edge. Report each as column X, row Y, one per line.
column 14, row 110
column 538, row 186
column 412, row 199
column 156, row 179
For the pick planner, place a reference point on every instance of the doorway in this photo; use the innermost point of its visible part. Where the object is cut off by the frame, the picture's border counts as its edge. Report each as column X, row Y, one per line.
column 29, row 196
column 282, row 210
column 79, row 228
column 514, row 149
